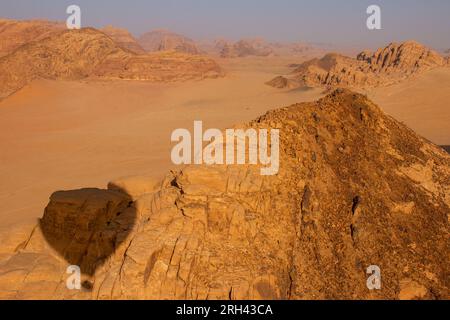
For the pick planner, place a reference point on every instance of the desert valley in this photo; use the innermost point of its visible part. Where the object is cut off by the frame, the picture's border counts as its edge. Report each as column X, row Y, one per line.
column 86, row 176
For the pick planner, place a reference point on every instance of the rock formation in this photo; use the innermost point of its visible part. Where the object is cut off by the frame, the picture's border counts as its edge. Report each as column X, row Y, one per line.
column 258, row 47
column 164, row 40
column 281, row 82
column 355, row 188
column 386, row 66
column 244, row 48
column 78, row 54
column 14, row 34
column 124, row 39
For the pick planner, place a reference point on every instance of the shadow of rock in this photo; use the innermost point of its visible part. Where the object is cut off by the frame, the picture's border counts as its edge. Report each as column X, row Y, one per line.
column 446, row 148
column 86, row 226
column 355, row 188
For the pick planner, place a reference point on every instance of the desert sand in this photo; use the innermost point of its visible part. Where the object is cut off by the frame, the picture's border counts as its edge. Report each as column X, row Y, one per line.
column 86, row 176
column 355, row 188
column 61, row 135
column 422, row 104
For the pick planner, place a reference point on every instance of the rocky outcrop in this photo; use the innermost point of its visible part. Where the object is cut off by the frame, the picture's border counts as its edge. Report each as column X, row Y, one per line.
column 82, row 225
column 14, row 34
column 386, row 66
column 164, row 40
column 89, row 53
column 281, row 82
column 355, row 188
column 245, row 48
column 124, row 39
column 408, row 58
column 258, row 48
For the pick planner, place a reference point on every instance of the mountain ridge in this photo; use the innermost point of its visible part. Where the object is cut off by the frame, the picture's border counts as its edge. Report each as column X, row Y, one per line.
column 386, row 66
column 90, row 53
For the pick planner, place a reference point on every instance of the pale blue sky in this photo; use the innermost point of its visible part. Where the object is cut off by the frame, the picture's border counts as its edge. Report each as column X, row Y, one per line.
column 328, row 21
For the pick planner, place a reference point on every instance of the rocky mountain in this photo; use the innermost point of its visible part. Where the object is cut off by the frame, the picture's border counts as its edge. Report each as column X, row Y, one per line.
column 78, row 54
column 355, row 189
column 123, row 38
column 164, row 40
column 408, row 57
column 244, row 48
column 260, row 47
column 386, row 66
column 14, row 34
column 281, row 82
column 302, row 49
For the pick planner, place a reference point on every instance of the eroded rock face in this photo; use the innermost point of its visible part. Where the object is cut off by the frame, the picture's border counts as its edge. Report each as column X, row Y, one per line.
column 245, row 48
column 408, row 57
column 355, row 188
column 258, row 47
column 386, row 66
column 281, row 82
column 14, row 34
column 79, row 54
column 124, row 39
column 164, row 40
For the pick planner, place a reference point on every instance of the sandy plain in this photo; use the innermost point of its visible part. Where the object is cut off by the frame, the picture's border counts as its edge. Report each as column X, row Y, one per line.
column 67, row 135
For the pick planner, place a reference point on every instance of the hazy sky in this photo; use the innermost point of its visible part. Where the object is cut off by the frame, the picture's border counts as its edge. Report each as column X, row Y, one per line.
column 326, row 21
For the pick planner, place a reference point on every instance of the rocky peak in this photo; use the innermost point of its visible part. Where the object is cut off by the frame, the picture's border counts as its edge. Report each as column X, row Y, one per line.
column 355, row 188
column 78, row 54
column 123, row 38
column 246, row 47
column 385, row 66
column 165, row 40
column 14, row 34
column 407, row 57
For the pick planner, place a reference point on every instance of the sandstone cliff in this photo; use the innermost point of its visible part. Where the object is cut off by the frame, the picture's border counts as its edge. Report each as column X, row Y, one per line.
column 124, row 39
column 258, row 47
column 245, row 48
column 79, row 54
column 261, row 48
column 164, row 40
column 14, row 34
column 386, row 66
column 355, row 188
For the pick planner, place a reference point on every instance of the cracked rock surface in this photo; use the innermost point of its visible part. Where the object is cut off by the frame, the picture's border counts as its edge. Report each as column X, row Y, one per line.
column 355, row 188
